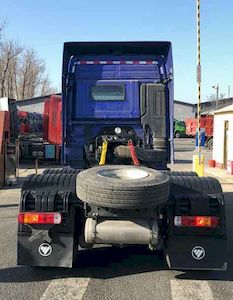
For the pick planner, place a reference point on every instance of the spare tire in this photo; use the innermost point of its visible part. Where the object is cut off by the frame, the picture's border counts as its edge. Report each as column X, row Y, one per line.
column 123, row 187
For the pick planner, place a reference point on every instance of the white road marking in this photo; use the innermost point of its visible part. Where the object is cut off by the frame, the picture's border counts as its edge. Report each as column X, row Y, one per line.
column 190, row 290
column 66, row 289
column 74, row 289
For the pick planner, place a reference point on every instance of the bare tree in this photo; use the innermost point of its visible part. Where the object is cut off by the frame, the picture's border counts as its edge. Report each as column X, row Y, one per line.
column 22, row 73
column 213, row 97
column 10, row 85
column 46, row 88
column 2, row 26
column 32, row 79
column 29, row 72
column 9, row 51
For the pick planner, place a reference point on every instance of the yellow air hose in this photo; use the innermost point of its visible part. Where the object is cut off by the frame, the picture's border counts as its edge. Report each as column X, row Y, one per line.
column 103, row 153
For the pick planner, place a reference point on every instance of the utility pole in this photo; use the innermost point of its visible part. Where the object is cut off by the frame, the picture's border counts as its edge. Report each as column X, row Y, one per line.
column 198, row 160
column 229, row 91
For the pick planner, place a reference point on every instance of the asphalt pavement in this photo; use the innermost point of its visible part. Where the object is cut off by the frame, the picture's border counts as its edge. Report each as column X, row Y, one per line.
column 128, row 273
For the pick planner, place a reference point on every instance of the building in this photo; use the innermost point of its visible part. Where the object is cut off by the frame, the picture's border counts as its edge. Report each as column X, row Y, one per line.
column 223, row 136
column 33, row 105
column 183, row 110
column 210, row 106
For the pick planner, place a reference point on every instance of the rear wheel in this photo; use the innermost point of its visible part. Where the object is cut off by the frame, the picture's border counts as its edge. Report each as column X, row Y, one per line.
column 210, row 143
column 181, row 173
column 151, row 155
column 177, row 134
column 66, row 170
column 208, row 185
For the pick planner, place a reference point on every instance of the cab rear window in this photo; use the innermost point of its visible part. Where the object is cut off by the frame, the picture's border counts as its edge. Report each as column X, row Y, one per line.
column 108, row 92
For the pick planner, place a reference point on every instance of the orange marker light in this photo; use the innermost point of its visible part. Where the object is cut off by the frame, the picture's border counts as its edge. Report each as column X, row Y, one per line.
column 196, row 221
column 39, row 218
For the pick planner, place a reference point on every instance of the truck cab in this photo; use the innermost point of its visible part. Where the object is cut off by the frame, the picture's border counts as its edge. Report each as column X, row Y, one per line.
column 117, row 91
column 179, row 128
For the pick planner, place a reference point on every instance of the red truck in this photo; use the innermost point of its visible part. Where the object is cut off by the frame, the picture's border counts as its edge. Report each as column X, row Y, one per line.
column 206, row 122
column 52, row 125
column 4, row 135
column 40, row 134
column 8, row 157
column 24, row 127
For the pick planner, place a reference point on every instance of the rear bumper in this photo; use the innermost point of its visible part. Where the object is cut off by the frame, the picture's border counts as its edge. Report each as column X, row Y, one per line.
column 197, row 253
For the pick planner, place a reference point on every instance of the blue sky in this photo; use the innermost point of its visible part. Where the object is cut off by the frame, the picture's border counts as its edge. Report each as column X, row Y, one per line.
column 46, row 25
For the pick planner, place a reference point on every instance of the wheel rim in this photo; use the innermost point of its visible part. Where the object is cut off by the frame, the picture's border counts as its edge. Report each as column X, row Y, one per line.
column 124, row 174
column 210, row 144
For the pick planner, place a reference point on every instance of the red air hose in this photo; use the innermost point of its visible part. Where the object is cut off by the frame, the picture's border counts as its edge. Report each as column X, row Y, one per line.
column 133, row 153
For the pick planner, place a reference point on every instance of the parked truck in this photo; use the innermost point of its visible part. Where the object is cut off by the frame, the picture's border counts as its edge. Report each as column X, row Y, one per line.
column 4, row 140
column 115, row 188
column 206, row 124
column 40, row 134
column 8, row 142
column 179, row 128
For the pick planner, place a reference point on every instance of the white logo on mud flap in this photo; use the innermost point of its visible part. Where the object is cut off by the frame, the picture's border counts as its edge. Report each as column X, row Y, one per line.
column 45, row 249
column 198, row 252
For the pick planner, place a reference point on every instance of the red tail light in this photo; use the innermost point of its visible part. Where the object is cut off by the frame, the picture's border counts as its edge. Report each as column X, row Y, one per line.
column 196, row 221
column 39, row 218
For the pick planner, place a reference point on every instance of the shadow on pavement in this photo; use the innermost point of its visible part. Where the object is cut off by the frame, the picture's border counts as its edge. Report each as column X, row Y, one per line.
column 102, row 263
column 208, row 275
column 185, row 150
column 18, row 185
column 183, row 161
column 9, row 205
column 107, row 264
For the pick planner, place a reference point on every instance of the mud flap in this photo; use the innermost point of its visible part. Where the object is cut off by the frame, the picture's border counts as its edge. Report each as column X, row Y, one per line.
column 49, row 245
column 197, row 253
column 57, row 253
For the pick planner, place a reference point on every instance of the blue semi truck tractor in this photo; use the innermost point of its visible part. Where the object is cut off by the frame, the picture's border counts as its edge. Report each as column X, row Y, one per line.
column 115, row 188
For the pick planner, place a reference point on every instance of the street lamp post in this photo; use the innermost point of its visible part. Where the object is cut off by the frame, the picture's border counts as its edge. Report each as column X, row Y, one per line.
column 216, row 87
